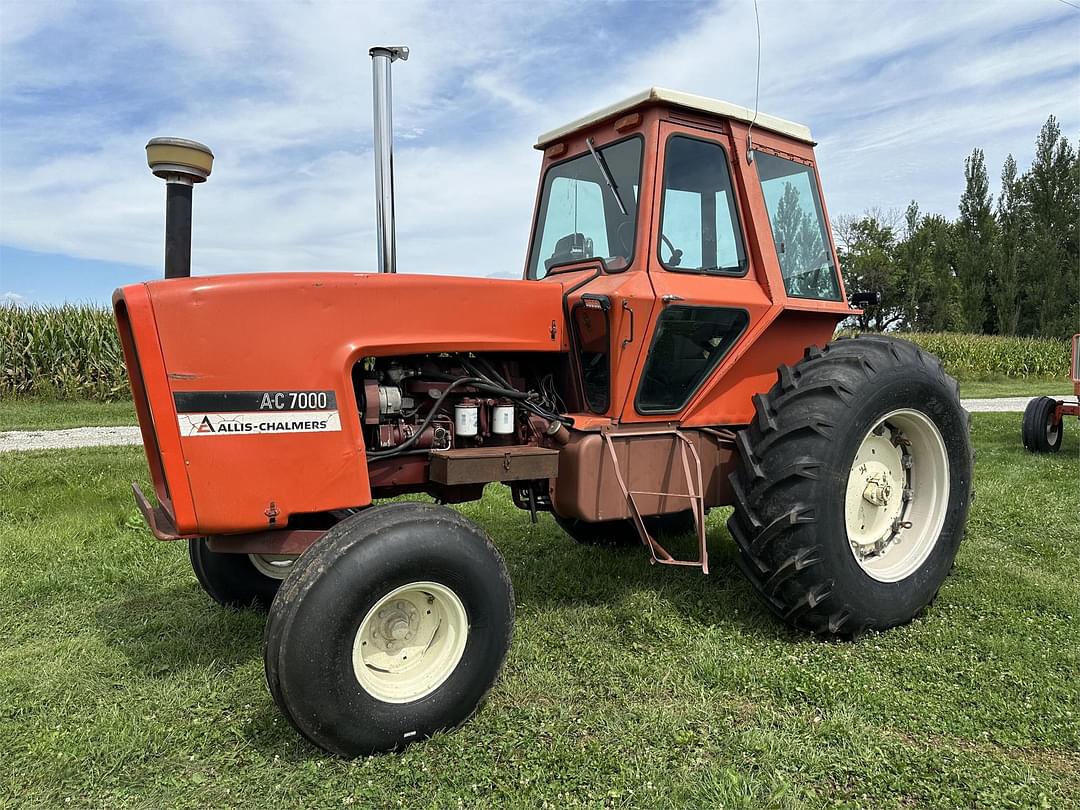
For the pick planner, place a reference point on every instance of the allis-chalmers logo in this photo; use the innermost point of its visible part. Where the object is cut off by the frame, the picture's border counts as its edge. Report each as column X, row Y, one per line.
column 216, row 424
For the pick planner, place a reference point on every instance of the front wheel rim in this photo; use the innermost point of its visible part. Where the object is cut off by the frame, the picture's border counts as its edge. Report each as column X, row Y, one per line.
column 897, row 495
column 275, row 566
column 410, row 642
column 1053, row 428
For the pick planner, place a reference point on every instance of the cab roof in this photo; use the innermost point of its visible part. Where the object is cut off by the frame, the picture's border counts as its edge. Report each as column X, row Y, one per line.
column 674, row 98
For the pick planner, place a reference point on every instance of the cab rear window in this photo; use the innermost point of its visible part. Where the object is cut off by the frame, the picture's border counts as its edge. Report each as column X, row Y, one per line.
column 798, row 227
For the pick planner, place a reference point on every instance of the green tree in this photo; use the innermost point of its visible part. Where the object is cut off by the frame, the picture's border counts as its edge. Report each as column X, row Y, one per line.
column 867, row 250
column 976, row 243
column 1050, row 199
column 1006, row 289
column 926, row 260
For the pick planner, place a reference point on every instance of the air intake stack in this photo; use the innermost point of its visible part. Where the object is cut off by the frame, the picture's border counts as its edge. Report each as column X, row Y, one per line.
column 381, row 58
column 180, row 163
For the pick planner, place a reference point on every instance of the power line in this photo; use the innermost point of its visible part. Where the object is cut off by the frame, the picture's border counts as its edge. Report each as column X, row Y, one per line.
column 1069, row 4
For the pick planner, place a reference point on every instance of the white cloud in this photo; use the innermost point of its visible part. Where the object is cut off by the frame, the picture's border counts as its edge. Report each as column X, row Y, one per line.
column 897, row 93
column 13, row 299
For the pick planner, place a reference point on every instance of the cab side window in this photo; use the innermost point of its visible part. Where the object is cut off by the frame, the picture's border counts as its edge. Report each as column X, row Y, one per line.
column 699, row 228
column 798, row 227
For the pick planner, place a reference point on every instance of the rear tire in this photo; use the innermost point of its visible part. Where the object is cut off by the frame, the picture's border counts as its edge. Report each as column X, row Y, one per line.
column 393, row 626
column 238, row 580
column 1039, row 430
column 828, row 535
column 614, row 533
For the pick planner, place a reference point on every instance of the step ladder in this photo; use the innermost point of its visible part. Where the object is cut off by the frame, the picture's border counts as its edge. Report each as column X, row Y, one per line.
column 695, row 494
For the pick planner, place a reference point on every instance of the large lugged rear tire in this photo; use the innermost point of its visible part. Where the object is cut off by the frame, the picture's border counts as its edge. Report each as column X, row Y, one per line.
column 853, row 486
column 393, row 626
column 1039, row 430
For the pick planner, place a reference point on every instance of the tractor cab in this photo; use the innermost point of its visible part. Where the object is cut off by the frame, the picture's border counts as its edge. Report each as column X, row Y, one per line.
column 681, row 226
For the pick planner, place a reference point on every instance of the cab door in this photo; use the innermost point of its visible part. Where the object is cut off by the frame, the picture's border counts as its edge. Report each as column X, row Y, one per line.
column 708, row 296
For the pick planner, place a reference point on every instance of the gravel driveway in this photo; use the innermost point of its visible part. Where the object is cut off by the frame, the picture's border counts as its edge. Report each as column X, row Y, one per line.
column 1002, row 404
column 74, row 437
column 103, row 436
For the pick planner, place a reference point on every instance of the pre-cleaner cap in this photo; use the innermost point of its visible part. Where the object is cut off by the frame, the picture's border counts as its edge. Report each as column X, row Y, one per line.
column 179, row 156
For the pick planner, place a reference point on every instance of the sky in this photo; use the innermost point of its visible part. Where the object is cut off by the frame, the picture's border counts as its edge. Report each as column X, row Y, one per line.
column 896, row 92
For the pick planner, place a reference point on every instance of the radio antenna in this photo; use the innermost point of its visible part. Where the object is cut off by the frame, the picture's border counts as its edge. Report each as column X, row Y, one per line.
column 757, row 89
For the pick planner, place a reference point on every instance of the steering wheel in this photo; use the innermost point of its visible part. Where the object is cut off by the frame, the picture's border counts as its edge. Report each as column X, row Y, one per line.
column 676, row 254
column 622, row 233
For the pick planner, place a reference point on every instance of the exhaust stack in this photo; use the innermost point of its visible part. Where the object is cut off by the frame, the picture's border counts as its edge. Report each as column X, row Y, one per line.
column 180, row 163
column 381, row 58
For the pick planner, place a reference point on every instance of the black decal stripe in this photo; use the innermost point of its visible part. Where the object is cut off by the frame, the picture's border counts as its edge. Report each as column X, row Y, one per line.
column 240, row 401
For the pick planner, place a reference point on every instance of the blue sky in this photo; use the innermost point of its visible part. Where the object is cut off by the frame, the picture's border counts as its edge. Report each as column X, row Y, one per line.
column 897, row 93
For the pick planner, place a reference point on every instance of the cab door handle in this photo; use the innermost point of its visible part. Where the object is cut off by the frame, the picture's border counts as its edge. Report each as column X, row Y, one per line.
column 627, row 308
column 670, row 297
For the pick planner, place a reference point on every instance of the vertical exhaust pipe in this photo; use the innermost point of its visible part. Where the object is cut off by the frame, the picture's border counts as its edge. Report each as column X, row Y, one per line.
column 381, row 59
column 180, row 163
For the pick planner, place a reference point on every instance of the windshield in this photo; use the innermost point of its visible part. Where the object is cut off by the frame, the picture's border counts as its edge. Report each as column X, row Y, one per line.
column 581, row 216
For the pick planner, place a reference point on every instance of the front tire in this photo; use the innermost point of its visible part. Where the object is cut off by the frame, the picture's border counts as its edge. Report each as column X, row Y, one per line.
column 1041, row 432
column 393, row 626
column 853, row 487
column 238, row 580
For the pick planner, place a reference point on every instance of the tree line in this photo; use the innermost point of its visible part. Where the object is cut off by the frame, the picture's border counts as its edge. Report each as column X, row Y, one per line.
column 1008, row 265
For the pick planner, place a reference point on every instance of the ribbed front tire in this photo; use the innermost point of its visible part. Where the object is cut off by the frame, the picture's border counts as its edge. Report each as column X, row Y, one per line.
column 238, row 580
column 393, row 626
column 1040, row 431
column 804, row 519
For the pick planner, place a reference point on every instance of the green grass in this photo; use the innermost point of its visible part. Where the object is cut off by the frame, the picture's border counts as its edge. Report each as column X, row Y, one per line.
column 122, row 685
column 36, row 413
column 1004, row 387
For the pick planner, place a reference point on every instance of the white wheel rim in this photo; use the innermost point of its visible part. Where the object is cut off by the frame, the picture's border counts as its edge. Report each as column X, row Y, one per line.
column 275, row 566
column 409, row 642
column 1052, row 429
column 897, row 495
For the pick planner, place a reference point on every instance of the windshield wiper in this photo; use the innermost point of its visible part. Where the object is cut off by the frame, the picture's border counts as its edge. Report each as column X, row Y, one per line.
column 606, row 172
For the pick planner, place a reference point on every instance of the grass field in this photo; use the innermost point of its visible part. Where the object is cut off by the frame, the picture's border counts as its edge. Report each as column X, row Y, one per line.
column 1005, row 387
column 33, row 413
column 122, row 685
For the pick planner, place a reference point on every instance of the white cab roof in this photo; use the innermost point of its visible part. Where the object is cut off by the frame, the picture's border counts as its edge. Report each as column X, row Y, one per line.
column 689, row 101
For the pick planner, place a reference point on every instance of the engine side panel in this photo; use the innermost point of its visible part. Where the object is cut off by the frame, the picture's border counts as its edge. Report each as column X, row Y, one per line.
column 226, row 340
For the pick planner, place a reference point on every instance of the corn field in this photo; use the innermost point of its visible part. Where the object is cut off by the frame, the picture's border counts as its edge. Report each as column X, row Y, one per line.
column 73, row 352
column 976, row 357
column 65, row 352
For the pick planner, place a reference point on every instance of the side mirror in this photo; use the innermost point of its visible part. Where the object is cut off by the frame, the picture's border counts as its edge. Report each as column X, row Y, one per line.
column 861, row 300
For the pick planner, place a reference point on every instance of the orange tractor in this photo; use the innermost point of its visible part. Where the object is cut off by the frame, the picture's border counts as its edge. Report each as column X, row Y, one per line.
column 1043, row 426
column 667, row 351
